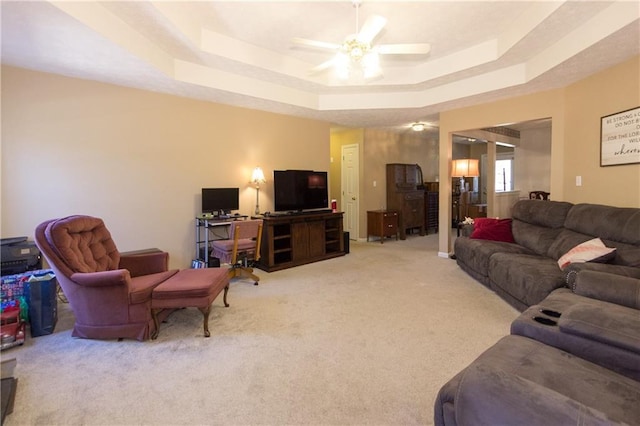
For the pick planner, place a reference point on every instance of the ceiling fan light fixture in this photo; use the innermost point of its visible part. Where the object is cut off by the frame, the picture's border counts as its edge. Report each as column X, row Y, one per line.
column 342, row 66
column 371, row 65
column 358, row 50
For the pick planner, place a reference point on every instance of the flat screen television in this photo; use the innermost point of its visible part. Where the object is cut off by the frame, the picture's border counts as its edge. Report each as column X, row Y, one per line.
column 299, row 190
column 220, row 200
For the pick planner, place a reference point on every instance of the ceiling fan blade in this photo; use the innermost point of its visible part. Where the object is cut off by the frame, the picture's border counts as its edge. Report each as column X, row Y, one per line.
column 315, row 43
column 372, row 26
column 323, row 66
column 404, row 49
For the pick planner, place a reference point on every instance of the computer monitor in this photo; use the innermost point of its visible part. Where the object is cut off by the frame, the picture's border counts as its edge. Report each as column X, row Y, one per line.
column 220, row 200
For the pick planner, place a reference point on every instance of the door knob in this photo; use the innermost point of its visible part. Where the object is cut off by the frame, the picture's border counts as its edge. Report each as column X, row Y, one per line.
column 353, row 198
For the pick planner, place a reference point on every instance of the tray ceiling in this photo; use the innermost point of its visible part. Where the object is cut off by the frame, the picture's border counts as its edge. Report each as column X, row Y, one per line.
column 240, row 52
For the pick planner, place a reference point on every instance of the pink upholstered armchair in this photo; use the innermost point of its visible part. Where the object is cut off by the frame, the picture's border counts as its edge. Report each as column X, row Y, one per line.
column 109, row 294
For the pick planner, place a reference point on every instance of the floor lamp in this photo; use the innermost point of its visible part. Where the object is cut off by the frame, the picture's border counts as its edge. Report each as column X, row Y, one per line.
column 257, row 177
column 463, row 168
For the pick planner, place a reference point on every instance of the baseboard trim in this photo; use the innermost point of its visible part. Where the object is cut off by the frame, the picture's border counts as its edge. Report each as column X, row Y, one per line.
column 445, row 255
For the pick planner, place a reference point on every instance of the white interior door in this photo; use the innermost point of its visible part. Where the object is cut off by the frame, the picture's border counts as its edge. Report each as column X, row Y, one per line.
column 350, row 189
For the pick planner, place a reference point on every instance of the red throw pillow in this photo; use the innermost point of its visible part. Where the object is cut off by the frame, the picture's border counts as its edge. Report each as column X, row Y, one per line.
column 492, row 229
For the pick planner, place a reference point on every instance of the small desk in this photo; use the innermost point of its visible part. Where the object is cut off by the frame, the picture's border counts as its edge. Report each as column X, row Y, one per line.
column 382, row 223
column 218, row 226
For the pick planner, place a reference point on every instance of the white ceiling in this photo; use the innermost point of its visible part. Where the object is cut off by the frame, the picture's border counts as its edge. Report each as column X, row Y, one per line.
column 240, row 52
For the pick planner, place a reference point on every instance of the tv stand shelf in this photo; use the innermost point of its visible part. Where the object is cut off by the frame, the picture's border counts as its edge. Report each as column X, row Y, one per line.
column 292, row 240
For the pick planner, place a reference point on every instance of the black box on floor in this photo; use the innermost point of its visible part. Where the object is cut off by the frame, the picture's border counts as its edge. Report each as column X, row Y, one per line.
column 214, row 262
column 345, row 235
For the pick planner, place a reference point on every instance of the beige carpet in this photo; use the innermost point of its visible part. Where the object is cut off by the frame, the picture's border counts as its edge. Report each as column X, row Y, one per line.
column 368, row 338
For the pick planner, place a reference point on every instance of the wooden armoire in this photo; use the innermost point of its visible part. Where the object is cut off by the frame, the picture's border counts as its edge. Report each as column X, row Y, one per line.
column 404, row 196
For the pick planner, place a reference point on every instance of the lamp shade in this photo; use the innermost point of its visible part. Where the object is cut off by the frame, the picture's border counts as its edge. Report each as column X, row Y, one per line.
column 465, row 168
column 257, row 176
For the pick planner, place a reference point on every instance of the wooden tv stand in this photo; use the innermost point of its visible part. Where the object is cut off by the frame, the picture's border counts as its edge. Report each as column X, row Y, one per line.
column 290, row 240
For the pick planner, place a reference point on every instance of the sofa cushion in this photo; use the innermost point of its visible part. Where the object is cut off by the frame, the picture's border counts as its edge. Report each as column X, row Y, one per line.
column 607, row 222
column 617, row 227
column 615, row 325
column 612, row 288
column 475, row 253
column 536, row 225
column 626, row 254
column 593, row 250
column 142, row 286
column 526, row 278
column 551, row 214
column 492, row 229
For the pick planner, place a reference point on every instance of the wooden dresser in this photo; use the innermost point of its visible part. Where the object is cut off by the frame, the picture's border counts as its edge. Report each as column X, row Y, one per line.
column 382, row 224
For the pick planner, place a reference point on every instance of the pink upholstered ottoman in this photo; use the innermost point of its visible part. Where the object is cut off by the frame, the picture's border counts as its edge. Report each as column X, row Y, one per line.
column 190, row 288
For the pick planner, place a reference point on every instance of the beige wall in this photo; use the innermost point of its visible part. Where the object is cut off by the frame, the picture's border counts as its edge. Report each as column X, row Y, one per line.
column 616, row 89
column 532, row 167
column 575, row 112
column 137, row 159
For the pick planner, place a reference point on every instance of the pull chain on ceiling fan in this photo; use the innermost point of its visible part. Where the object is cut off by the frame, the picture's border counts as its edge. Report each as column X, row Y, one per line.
column 357, row 51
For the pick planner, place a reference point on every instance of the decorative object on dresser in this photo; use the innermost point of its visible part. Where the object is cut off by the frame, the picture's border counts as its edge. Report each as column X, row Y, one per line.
column 382, row 223
column 405, row 194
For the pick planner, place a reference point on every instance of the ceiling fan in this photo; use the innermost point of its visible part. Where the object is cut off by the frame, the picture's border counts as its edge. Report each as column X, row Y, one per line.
column 357, row 50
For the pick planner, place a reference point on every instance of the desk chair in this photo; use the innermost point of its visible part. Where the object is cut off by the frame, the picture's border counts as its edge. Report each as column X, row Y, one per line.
column 242, row 249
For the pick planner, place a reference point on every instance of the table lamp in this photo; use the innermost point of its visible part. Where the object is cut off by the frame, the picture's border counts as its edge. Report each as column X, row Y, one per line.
column 257, row 177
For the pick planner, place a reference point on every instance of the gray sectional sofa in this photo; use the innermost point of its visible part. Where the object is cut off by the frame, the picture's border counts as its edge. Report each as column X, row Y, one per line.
column 525, row 272
column 573, row 355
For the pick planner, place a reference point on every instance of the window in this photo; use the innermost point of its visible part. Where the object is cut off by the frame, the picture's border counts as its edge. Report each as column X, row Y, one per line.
column 504, row 173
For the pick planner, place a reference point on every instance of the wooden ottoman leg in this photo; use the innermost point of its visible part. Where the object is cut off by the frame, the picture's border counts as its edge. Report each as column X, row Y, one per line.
column 154, row 314
column 224, row 296
column 205, row 313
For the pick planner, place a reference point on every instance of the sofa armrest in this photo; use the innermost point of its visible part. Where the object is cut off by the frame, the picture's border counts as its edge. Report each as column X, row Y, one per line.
column 116, row 277
column 613, row 325
column 612, row 288
column 145, row 263
column 626, row 271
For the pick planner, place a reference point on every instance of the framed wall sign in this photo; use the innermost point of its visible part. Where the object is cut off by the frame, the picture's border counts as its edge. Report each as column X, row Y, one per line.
column 620, row 138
